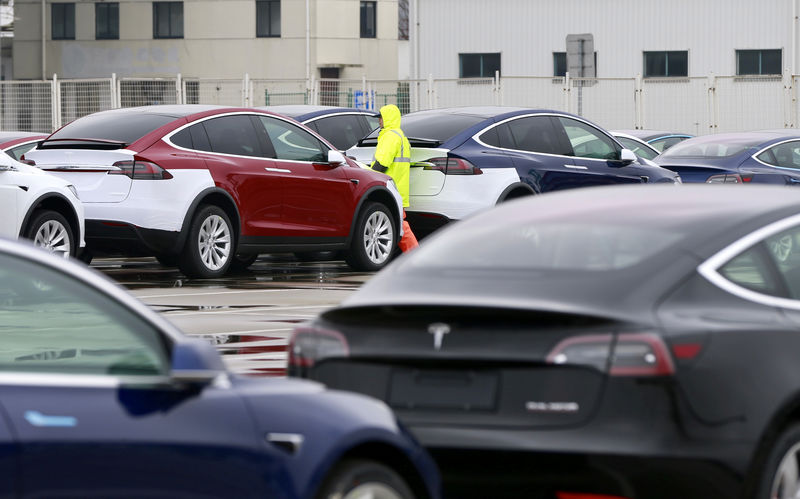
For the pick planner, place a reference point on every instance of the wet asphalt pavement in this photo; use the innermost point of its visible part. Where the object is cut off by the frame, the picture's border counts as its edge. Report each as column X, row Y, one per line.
column 248, row 316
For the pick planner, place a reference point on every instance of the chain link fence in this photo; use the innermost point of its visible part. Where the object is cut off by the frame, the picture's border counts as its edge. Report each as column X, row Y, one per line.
column 697, row 105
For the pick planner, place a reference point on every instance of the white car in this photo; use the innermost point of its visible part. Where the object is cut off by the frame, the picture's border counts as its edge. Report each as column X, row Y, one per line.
column 41, row 207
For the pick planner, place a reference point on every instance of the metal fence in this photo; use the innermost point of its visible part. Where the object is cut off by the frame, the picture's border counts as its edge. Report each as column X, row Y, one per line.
column 697, row 105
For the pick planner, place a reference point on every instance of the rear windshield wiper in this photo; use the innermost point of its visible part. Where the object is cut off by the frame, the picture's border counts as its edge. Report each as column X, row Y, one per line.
column 82, row 144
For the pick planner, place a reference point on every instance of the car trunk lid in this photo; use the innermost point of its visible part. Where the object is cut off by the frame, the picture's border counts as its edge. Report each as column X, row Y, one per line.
column 488, row 367
column 92, row 172
column 425, row 178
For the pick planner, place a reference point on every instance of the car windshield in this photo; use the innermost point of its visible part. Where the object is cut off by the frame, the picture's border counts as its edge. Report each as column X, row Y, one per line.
column 439, row 127
column 555, row 245
column 118, row 127
column 711, row 147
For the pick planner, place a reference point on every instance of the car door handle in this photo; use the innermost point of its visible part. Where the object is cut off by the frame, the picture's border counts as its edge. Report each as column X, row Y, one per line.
column 278, row 170
column 794, row 180
column 576, row 167
column 36, row 418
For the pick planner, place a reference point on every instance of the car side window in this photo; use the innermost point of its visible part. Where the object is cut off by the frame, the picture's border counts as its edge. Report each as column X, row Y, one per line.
column 667, row 142
column 536, row 134
column 342, row 131
column 786, row 155
column 16, row 152
column 233, row 135
column 771, row 267
column 587, row 141
column 52, row 323
column 373, row 122
column 183, row 139
column 499, row 136
column 750, row 270
column 637, row 148
column 292, row 142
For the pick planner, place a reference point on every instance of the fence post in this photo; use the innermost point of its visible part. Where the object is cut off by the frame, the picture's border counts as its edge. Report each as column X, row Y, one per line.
column 498, row 91
column 638, row 102
column 246, row 90
column 430, row 91
column 712, row 103
column 567, row 90
column 789, row 103
column 179, row 90
column 55, row 102
column 113, row 90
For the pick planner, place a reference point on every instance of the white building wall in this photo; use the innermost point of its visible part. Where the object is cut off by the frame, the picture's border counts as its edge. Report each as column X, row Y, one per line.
column 527, row 32
column 219, row 42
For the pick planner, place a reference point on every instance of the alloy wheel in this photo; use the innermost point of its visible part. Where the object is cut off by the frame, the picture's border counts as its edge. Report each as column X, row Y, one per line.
column 378, row 237
column 53, row 237
column 373, row 490
column 786, row 484
column 214, row 242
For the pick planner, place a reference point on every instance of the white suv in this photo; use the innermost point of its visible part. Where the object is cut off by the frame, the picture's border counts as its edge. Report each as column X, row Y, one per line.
column 39, row 206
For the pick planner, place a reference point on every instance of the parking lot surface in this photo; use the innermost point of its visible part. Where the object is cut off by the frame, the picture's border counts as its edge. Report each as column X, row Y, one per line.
column 248, row 316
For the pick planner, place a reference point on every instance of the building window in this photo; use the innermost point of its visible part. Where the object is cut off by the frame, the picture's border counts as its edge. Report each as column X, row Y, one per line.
column 559, row 64
column 167, row 19
column 63, row 21
column 668, row 63
column 368, row 19
column 478, row 65
column 402, row 19
column 268, row 18
column 758, row 62
column 106, row 21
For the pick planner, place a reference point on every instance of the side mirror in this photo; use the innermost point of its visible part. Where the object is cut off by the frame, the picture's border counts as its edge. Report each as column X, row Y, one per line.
column 336, row 158
column 626, row 156
column 195, row 361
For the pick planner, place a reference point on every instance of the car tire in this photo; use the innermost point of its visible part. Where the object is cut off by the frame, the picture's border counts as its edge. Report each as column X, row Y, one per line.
column 355, row 478
column 780, row 469
column 242, row 261
column 374, row 239
column 49, row 230
column 209, row 246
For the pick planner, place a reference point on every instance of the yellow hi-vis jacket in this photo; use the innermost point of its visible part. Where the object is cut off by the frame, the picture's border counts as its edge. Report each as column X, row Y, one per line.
column 393, row 152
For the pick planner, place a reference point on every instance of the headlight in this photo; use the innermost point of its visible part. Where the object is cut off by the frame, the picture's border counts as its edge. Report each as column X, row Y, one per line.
column 392, row 186
column 73, row 190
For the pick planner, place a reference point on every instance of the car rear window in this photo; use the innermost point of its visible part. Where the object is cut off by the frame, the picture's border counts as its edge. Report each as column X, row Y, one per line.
column 558, row 245
column 439, row 127
column 119, row 127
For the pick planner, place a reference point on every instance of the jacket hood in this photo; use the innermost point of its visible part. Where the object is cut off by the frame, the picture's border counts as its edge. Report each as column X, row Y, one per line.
column 391, row 116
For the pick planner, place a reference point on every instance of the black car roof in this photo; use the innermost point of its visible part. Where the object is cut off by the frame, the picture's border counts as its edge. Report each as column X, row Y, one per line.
column 706, row 219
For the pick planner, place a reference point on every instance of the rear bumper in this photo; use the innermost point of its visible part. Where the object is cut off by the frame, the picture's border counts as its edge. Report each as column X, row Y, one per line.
column 499, row 475
column 113, row 237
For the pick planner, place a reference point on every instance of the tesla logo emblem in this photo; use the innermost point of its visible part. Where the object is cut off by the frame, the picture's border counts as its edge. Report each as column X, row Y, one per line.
column 438, row 330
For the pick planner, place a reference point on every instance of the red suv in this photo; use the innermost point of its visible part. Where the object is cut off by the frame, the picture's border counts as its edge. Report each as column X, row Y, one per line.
column 208, row 188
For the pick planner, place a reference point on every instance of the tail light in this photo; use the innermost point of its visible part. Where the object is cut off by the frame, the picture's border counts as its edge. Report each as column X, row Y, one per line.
column 638, row 354
column 309, row 344
column 453, row 166
column 730, row 178
column 141, row 170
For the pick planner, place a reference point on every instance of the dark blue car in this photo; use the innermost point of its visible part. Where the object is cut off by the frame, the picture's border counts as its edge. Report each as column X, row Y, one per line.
column 465, row 160
column 341, row 126
column 768, row 157
column 101, row 397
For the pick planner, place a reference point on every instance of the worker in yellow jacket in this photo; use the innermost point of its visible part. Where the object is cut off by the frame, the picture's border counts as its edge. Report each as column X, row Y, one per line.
column 393, row 157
